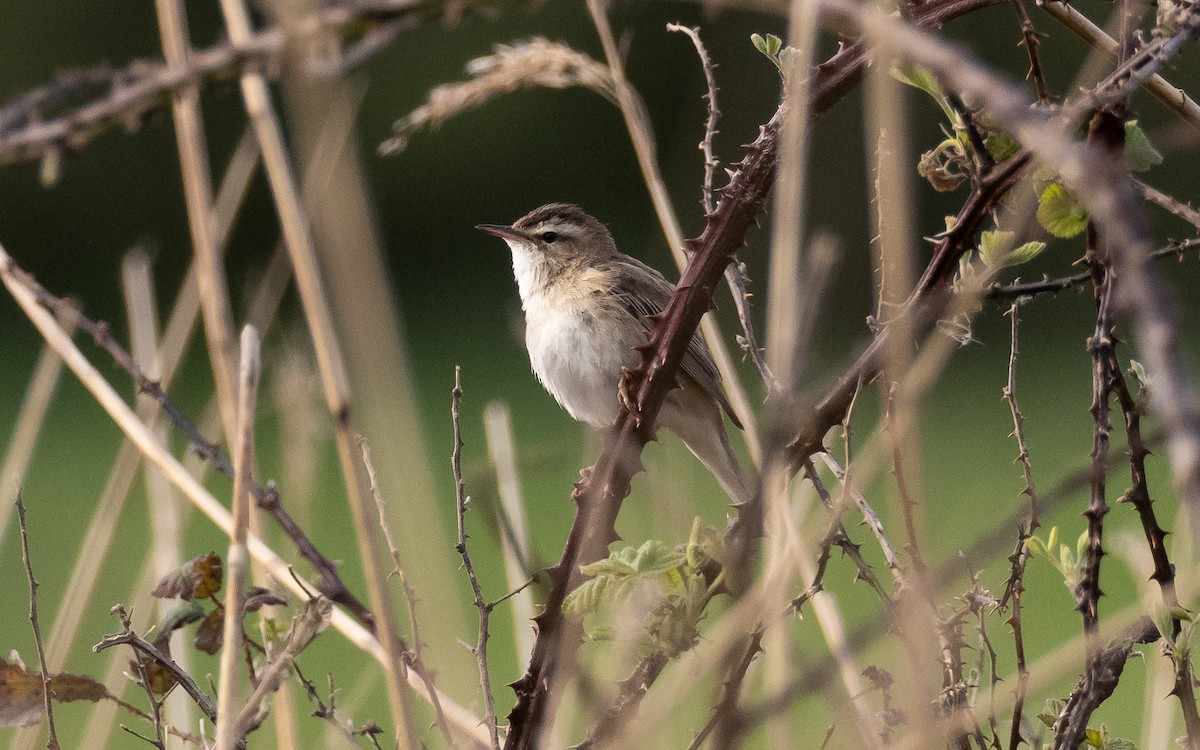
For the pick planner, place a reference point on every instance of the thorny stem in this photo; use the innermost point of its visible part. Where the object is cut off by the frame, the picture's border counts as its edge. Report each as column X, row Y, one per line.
column 410, row 598
column 47, row 703
column 481, row 604
column 1015, row 586
column 143, row 647
column 727, row 722
column 1106, row 129
column 1032, row 288
column 1031, row 40
column 735, row 272
column 267, row 498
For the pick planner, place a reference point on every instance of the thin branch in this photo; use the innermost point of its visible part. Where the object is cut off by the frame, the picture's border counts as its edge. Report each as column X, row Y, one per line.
column 727, row 720
column 735, row 273
column 1031, row 40
column 122, row 98
column 413, row 656
column 47, row 703
column 485, row 609
column 267, row 498
column 1015, row 585
column 624, row 707
column 1177, row 207
column 1032, row 288
column 139, row 644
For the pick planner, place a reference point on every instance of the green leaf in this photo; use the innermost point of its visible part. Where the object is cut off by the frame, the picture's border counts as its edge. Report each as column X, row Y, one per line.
column 1051, row 712
column 994, row 246
column 1093, row 738
column 1060, row 213
column 1025, row 253
column 1140, row 155
column 656, row 557
column 600, row 633
column 704, row 544
column 587, row 598
column 918, row 77
column 1000, row 145
column 1120, row 743
column 769, row 46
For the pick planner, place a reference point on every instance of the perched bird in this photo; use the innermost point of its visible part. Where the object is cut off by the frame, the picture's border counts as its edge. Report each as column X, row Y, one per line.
column 587, row 305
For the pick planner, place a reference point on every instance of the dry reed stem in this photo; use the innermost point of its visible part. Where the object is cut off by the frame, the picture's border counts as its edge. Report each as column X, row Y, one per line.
column 197, row 192
column 642, row 137
column 786, row 280
column 142, row 87
column 514, row 538
column 229, row 703
column 35, row 404
column 1170, row 95
column 331, row 363
column 163, row 508
column 196, row 493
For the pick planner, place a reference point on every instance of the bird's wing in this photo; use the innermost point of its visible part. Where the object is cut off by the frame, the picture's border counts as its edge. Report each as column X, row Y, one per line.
column 644, row 292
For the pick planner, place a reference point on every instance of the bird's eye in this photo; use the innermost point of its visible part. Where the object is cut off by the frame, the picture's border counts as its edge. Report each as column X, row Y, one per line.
column 549, row 236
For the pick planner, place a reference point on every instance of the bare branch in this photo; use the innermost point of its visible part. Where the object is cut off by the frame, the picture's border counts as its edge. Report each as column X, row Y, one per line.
column 52, row 742
column 481, row 604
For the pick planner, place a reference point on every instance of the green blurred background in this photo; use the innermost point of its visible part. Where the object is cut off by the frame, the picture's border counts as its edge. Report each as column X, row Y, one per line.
column 458, row 306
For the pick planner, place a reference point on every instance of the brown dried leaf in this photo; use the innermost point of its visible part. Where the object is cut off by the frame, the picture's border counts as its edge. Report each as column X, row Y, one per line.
column 257, row 598
column 211, row 632
column 21, row 693
column 198, row 578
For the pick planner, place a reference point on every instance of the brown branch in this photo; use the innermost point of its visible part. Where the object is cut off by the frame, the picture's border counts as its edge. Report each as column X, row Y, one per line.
column 123, row 97
column 485, row 609
column 139, row 644
column 624, row 707
column 728, row 724
column 52, row 742
column 413, row 656
column 1015, row 586
column 1032, row 288
column 267, row 498
column 599, row 494
column 1095, row 687
column 1031, row 40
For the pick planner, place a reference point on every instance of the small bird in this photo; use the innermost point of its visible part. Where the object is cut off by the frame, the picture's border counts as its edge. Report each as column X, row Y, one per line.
column 587, row 306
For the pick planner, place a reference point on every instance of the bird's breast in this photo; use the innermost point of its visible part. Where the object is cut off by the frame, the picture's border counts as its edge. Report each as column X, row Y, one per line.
column 577, row 349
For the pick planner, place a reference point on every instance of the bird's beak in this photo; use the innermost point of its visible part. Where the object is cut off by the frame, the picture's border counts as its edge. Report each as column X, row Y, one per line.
column 503, row 231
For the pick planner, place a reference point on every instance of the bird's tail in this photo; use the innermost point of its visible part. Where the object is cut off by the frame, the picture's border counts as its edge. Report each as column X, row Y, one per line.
column 698, row 421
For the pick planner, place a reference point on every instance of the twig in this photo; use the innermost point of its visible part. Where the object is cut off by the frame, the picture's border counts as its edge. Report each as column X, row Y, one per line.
column 727, row 721
column 1095, row 687
column 237, row 564
column 26, row 293
column 129, row 638
column 52, row 742
column 1031, row 40
column 1015, row 585
column 413, row 656
column 1170, row 95
column 623, row 708
column 735, row 273
column 129, row 94
column 485, row 609
column 1033, row 288
column 1175, row 206
column 305, row 628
